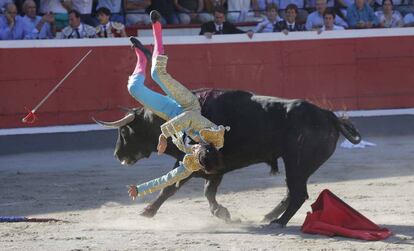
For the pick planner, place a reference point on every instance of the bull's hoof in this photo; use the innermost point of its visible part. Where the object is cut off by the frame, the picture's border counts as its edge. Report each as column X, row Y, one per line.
column 278, row 222
column 148, row 212
column 222, row 213
column 267, row 219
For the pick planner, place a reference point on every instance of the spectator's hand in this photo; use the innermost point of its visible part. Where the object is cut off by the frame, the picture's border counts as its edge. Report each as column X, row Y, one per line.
column 250, row 34
column 132, row 191
column 285, row 31
column 44, row 19
column 162, row 144
column 369, row 25
column 262, row 26
column 208, row 35
column 361, row 24
column 319, row 31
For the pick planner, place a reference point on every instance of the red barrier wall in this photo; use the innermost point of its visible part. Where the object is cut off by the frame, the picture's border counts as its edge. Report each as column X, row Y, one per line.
column 355, row 73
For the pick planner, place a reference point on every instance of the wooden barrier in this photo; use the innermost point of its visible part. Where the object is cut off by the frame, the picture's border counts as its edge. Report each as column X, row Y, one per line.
column 335, row 70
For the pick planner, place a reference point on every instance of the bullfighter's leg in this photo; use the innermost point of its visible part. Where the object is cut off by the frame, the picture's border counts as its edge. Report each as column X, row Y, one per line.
column 163, row 106
column 210, row 191
column 167, row 192
column 169, row 85
column 175, row 90
column 279, row 209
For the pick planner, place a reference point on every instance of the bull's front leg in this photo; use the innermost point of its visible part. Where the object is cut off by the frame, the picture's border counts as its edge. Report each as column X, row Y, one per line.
column 297, row 195
column 210, row 191
column 278, row 210
column 152, row 209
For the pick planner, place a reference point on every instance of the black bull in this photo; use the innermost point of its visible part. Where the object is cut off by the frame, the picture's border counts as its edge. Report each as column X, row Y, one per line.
column 263, row 129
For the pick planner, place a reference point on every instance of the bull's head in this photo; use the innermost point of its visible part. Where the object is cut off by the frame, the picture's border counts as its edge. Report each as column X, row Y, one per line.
column 137, row 136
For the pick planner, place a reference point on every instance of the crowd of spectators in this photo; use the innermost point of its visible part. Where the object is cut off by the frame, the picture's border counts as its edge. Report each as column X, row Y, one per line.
column 46, row 19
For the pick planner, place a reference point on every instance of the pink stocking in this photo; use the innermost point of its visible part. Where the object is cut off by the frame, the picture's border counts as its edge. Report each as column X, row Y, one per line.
column 141, row 62
column 157, row 32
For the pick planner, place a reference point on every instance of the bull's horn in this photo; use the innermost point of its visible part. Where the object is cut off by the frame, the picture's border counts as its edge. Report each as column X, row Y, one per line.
column 125, row 109
column 119, row 123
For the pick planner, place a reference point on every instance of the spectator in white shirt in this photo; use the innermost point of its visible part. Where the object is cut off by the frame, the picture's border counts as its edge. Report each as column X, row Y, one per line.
column 402, row 6
column 267, row 25
column 315, row 19
column 388, row 17
column 107, row 28
column 302, row 13
column 115, row 6
column 329, row 21
column 38, row 27
column 76, row 29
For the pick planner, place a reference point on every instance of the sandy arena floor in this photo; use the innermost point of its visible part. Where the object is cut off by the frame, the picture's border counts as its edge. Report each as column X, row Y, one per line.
column 88, row 189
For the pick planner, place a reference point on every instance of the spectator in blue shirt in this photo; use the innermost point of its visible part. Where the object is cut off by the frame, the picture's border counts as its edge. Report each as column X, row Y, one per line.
column 12, row 26
column 361, row 16
column 38, row 27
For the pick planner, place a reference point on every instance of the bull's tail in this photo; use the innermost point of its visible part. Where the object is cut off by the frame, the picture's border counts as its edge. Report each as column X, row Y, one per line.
column 347, row 129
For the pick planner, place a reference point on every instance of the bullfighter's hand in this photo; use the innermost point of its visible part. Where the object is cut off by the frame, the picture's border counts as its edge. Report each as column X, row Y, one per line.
column 162, row 144
column 132, row 191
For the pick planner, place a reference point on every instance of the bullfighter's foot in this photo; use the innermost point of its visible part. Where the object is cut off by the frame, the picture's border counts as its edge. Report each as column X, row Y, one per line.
column 137, row 44
column 148, row 212
column 221, row 213
column 155, row 16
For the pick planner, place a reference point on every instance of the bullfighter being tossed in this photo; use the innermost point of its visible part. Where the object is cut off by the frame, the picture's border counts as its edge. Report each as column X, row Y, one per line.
column 182, row 111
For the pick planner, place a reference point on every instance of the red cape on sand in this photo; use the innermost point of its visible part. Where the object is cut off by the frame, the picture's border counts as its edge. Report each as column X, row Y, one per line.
column 331, row 216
